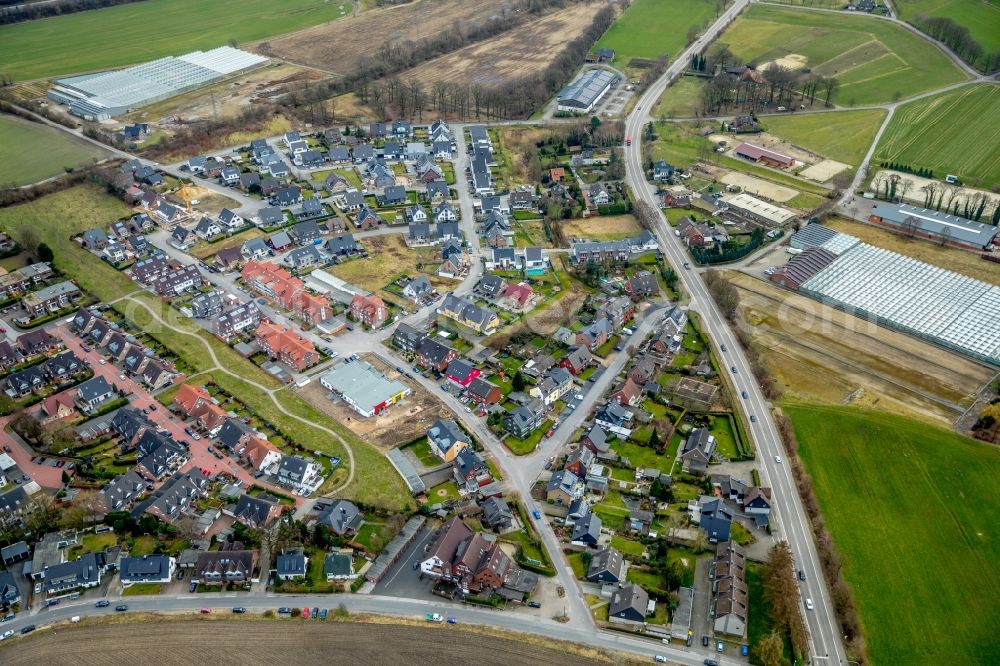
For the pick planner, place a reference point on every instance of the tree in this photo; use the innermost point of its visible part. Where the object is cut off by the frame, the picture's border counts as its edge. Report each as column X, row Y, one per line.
column 518, row 381
column 27, row 237
column 44, row 252
column 770, row 651
column 654, row 440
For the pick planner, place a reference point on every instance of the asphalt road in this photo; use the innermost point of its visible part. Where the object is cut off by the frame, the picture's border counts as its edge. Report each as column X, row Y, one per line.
column 787, row 516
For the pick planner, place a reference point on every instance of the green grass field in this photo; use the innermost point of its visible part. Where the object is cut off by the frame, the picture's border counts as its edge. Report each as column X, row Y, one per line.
column 33, row 152
column 681, row 100
column 651, row 28
column 128, row 34
column 913, row 511
column 874, row 61
column 981, row 17
column 950, row 133
column 843, row 136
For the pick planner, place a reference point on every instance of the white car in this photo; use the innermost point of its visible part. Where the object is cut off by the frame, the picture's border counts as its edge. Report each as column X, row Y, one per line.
column 7, row 634
column 809, row 604
column 777, row 459
column 103, row 362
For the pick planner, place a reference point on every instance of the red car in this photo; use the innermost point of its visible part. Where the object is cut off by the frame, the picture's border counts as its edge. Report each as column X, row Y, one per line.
column 205, row 610
column 305, row 613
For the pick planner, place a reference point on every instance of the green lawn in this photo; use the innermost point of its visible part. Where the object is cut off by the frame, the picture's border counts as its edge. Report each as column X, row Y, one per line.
column 521, row 447
column 627, row 546
column 725, row 439
column 34, row 152
column 759, row 620
column 913, row 511
column 843, row 136
column 143, row 545
column 576, row 563
column 141, row 589
column 981, row 17
column 641, row 456
column 651, row 28
column 874, row 61
column 443, row 492
column 681, row 100
column 133, row 33
column 60, row 215
column 93, row 543
column 422, row 450
column 949, row 133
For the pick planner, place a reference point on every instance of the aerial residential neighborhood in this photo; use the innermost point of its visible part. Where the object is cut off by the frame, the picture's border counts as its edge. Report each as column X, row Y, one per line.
column 608, row 331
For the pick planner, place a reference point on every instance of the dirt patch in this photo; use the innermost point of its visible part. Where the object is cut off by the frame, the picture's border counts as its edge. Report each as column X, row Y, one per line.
column 953, row 259
column 824, row 171
column 822, row 354
column 792, row 61
column 525, row 49
column 400, row 424
column 390, row 257
column 752, row 185
column 604, row 227
column 227, row 642
column 340, row 46
column 518, row 141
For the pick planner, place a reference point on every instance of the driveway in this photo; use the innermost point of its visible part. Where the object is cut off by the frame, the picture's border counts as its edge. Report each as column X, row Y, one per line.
column 401, row 580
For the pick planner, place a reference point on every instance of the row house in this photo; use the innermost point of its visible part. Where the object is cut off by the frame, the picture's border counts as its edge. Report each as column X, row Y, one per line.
column 51, row 299
column 285, row 345
column 237, row 321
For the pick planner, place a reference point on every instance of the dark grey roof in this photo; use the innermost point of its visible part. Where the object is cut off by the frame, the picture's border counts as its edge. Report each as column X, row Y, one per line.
column 341, row 517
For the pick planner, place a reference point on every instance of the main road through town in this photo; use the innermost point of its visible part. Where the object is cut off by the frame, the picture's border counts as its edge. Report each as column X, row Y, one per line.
column 788, row 515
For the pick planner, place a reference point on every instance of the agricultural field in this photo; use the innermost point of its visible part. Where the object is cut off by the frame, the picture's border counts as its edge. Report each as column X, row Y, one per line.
column 874, row 61
column 226, row 641
column 981, row 17
column 132, row 33
column 651, row 28
column 823, row 355
column 604, row 227
column 949, row 134
column 912, row 509
column 515, row 53
column 844, row 136
column 338, row 48
column 33, row 152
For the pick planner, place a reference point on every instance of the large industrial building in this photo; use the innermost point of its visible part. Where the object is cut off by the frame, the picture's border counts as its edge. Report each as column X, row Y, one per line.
column 105, row 94
column 756, row 209
column 935, row 225
column 365, row 389
column 897, row 291
column 583, row 94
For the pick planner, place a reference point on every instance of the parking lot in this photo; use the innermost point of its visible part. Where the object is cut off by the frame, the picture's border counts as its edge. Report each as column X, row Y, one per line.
column 401, row 580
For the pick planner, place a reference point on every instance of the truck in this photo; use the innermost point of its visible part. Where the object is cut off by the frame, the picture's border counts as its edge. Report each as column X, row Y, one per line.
column 434, row 617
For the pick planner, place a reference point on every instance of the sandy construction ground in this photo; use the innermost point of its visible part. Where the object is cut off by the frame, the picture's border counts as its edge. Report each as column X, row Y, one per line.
column 339, row 46
column 521, row 51
column 823, row 171
column 752, row 185
column 821, row 354
column 792, row 61
column 286, row 641
column 400, row 424
column 916, row 194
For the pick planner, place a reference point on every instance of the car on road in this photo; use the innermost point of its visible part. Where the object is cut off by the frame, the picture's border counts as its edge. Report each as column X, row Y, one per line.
column 809, row 604
column 7, row 634
column 660, row 659
column 103, row 603
column 548, row 465
column 323, row 613
column 745, row 395
column 239, row 609
column 122, row 376
column 777, row 459
column 416, row 565
column 102, row 362
column 537, row 514
column 9, row 616
column 452, row 620
column 121, row 608
column 28, row 629
column 753, row 419
column 722, row 347
column 152, row 407
column 52, row 602
column 534, row 604
column 733, row 368
column 711, row 662
column 802, row 574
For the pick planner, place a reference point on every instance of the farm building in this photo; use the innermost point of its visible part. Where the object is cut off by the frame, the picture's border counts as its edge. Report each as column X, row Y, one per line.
column 364, row 388
column 816, row 235
column 761, row 155
column 933, row 224
column 758, row 210
column 908, row 295
column 586, row 91
column 105, row 94
column 802, row 267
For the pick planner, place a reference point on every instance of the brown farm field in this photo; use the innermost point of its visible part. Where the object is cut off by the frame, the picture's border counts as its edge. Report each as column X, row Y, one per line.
column 604, row 227
column 339, row 47
column 523, row 50
column 230, row 642
column 820, row 354
column 952, row 259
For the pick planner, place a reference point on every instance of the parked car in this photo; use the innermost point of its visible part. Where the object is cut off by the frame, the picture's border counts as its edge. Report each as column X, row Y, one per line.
column 205, row 610
column 704, row 641
column 7, row 634
column 28, row 629
column 711, row 662
column 323, row 613
column 452, row 620
column 239, row 609
column 719, row 647
column 193, row 586
column 315, row 613
column 284, row 610
column 9, row 616
column 534, row 604
column 121, row 608
column 305, row 613
column 660, row 659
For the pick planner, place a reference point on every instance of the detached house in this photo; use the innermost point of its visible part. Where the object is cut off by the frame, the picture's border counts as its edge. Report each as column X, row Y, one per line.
column 446, row 439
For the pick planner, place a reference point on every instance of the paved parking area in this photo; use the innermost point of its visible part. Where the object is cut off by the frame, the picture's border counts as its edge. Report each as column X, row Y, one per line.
column 401, row 580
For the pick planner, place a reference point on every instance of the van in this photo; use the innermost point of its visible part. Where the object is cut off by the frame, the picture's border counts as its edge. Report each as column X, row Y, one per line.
column 951, row 180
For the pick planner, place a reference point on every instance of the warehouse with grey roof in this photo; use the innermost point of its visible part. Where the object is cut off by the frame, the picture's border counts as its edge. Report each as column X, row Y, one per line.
column 583, row 94
column 934, row 224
